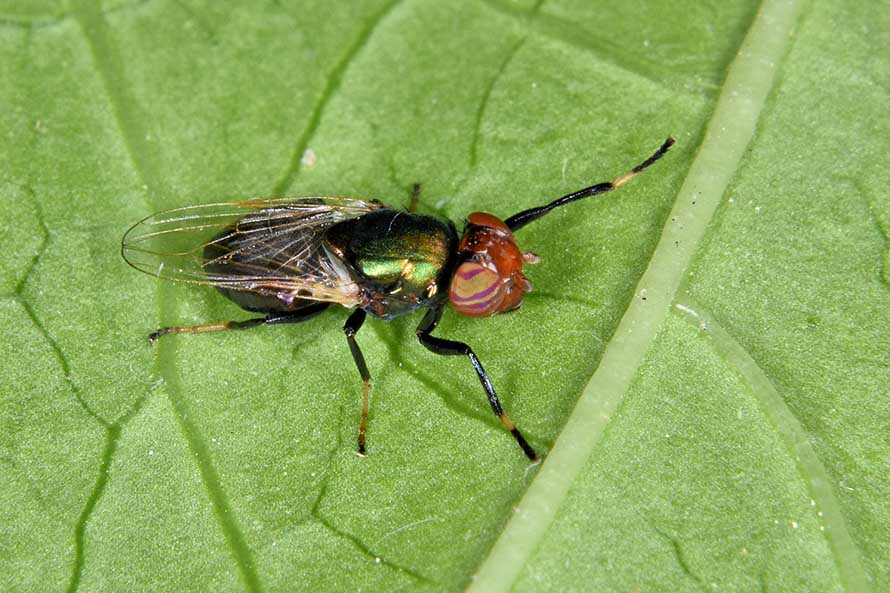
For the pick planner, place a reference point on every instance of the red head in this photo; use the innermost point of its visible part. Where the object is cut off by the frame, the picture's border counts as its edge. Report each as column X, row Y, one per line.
column 488, row 280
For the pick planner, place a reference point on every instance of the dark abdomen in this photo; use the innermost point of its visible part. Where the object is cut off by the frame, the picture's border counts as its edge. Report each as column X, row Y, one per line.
column 224, row 259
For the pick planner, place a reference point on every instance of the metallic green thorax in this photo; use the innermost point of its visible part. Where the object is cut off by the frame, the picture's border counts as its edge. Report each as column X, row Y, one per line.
column 402, row 260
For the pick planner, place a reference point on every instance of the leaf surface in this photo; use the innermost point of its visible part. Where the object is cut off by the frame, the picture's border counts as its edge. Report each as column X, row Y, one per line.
column 704, row 361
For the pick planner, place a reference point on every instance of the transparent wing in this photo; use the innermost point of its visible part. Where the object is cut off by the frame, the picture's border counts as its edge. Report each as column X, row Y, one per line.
column 268, row 246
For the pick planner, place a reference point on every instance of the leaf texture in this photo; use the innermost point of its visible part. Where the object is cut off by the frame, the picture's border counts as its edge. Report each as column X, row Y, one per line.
column 704, row 360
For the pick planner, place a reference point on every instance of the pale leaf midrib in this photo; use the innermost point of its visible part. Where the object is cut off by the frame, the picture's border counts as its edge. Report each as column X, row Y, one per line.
column 748, row 83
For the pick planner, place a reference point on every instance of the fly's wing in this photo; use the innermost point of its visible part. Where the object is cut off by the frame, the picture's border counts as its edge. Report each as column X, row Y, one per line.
column 270, row 246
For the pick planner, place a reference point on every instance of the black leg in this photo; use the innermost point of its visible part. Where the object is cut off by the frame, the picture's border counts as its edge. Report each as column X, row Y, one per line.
column 353, row 324
column 452, row 348
column 270, row 319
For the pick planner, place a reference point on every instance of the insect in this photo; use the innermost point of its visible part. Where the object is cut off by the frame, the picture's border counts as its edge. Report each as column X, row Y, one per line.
column 291, row 258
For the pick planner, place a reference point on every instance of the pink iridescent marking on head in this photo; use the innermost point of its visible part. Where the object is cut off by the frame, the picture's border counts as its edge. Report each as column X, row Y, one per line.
column 490, row 279
column 470, row 272
column 476, row 288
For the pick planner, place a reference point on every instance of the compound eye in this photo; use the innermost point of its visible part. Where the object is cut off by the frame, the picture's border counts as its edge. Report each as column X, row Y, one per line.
column 476, row 290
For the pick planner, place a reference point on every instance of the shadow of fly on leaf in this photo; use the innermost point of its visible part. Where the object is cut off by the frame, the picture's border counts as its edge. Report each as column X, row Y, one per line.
column 291, row 258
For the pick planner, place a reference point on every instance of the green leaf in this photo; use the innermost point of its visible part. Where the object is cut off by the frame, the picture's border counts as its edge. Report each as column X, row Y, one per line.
column 703, row 363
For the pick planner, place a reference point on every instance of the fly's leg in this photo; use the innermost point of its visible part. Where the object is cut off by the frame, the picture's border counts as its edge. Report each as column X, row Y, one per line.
column 452, row 348
column 350, row 328
column 270, row 319
column 415, row 197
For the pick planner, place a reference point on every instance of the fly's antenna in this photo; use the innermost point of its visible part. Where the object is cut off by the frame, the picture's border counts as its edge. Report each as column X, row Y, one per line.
column 519, row 220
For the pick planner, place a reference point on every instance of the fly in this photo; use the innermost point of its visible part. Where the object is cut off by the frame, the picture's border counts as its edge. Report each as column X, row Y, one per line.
column 291, row 258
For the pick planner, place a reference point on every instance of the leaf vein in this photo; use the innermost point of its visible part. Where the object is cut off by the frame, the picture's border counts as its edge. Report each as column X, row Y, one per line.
column 108, row 65
column 332, row 85
column 112, row 436
column 794, row 437
column 144, row 160
column 197, row 444
column 33, row 22
column 748, row 83
column 112, row 430
column 565, row 32
column 883, row 226
column 358, row 543
column 483, row 104
column 315, row 515
column 35, row 320
column 679, row 555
